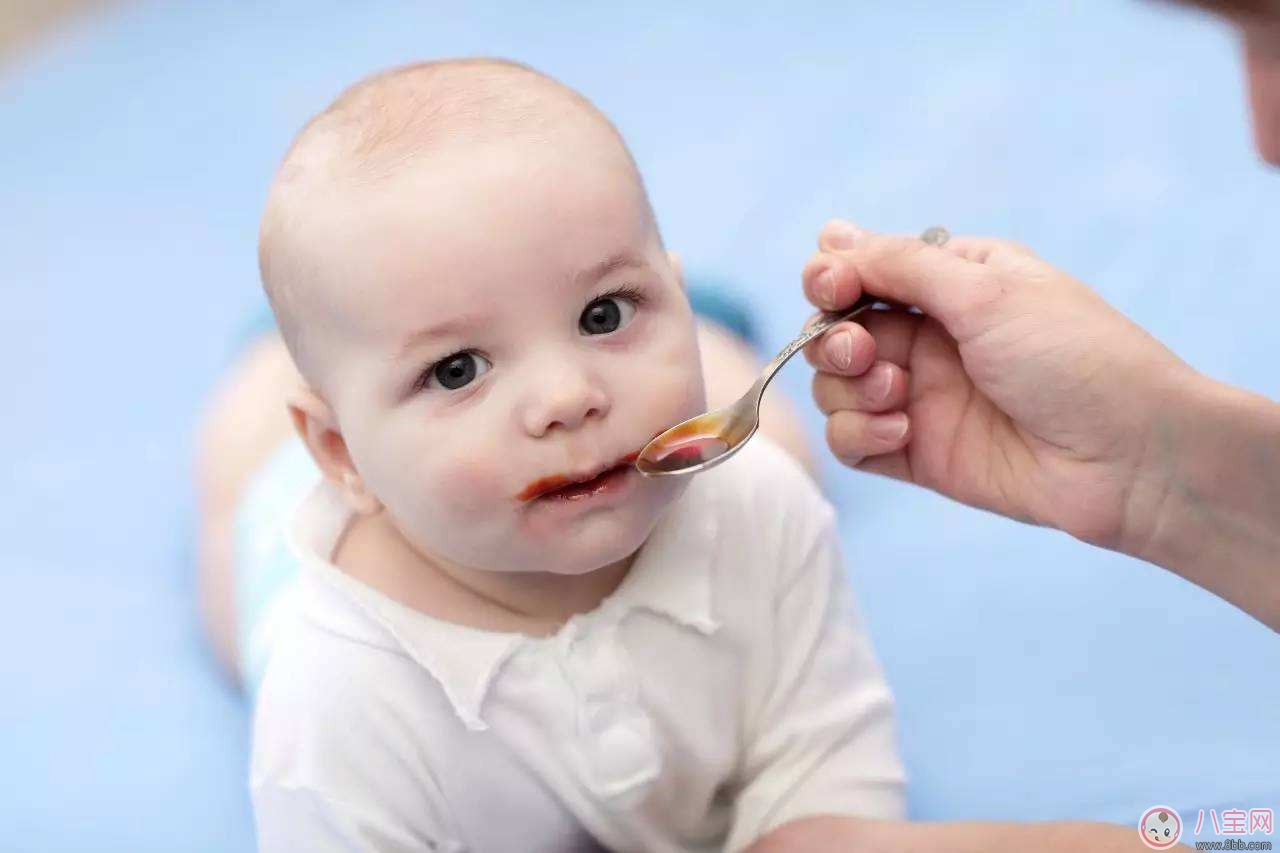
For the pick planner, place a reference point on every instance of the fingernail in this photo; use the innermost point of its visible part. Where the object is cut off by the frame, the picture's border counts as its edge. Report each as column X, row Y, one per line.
column 840, row 350
column 827, row 288
column 841, row 234
column 889, row 427
column 882, row 382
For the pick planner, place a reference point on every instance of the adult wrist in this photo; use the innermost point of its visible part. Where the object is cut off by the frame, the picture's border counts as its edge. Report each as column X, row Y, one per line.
column 1206, row 501
column 1177, row 411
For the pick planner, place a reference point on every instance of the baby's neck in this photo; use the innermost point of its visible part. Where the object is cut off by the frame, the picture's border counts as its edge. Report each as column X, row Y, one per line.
column 374, row 552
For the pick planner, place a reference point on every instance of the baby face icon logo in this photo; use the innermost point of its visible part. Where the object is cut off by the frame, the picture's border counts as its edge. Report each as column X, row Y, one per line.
column 1160, row 827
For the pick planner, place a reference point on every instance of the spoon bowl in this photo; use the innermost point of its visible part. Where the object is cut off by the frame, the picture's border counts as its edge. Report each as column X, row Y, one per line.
column 702, row 441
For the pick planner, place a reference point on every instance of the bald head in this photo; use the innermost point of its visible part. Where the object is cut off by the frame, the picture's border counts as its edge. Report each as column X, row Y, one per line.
column 386, row 124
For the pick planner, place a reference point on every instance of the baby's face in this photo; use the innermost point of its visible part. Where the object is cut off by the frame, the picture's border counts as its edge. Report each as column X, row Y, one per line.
column 496, row 319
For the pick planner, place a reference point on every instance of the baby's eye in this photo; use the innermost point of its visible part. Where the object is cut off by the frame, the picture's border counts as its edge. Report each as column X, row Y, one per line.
column 456, row 371
column 607, row 314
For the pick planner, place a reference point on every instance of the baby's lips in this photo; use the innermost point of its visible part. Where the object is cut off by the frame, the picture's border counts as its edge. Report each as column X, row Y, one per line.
column 542, row 486
column 558, row 481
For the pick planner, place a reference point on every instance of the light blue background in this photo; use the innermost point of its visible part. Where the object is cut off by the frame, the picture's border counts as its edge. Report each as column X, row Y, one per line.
column 1036, row 677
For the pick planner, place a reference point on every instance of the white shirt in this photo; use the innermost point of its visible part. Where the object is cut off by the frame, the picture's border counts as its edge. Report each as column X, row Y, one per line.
column 725, row 688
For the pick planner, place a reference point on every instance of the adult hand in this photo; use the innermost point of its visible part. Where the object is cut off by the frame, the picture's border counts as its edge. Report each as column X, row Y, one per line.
column 1018, row 390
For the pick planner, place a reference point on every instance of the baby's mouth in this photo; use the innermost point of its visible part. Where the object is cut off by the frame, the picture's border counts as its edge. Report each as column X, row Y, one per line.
column 570, row 487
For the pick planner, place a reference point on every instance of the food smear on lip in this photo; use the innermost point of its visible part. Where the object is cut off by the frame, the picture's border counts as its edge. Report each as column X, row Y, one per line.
column 562, row 487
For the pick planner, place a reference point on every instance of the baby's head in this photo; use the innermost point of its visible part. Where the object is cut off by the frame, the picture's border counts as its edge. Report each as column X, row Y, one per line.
column 464, row 264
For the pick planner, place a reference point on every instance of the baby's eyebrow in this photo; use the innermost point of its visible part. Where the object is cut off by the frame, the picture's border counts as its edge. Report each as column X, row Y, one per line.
column 452, row 326
column 613, row 263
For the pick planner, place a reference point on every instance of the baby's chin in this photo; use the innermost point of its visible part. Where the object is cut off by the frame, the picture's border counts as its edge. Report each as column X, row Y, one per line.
column 602, row 539
column 586, row 551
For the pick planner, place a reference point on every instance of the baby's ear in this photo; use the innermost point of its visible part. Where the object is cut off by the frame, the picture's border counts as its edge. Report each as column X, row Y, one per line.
column 316, row 424
column 677, row 268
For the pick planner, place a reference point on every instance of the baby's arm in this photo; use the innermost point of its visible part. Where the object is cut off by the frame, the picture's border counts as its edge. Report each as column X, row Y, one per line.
column 834, row 833
column 821, row 738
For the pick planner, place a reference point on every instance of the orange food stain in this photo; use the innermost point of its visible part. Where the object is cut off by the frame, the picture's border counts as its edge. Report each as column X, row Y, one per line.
column 559, row 481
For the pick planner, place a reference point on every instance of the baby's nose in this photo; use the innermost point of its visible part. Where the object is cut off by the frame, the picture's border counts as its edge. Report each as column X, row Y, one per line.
column 566, row 399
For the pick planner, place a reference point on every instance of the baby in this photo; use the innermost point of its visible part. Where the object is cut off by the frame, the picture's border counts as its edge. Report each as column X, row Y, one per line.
column 504, row 638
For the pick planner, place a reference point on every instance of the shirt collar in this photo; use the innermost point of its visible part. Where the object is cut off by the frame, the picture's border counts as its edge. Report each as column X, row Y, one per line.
column 671, row 576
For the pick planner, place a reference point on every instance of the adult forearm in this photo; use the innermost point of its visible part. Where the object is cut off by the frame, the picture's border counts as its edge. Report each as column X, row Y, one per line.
column 1216, row 521
column 829, row 834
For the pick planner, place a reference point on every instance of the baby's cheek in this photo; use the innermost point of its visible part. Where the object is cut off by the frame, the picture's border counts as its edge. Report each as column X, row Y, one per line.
column 671, row 384
column 473, row 482
column 451, row 463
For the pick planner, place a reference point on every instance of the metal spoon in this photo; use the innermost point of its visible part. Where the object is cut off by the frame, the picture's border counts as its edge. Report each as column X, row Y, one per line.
column 711, row 438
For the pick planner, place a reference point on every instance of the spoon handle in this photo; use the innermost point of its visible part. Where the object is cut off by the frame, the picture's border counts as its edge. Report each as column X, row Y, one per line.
column 935, row 236
column 815, row 327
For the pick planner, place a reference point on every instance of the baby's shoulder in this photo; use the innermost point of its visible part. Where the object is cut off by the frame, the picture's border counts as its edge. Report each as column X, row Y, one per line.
column 335, row 687
column 314, row 675
column 345, row 720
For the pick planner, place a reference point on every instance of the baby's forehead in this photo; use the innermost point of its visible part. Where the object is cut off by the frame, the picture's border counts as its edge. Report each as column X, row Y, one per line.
column 474, row 233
